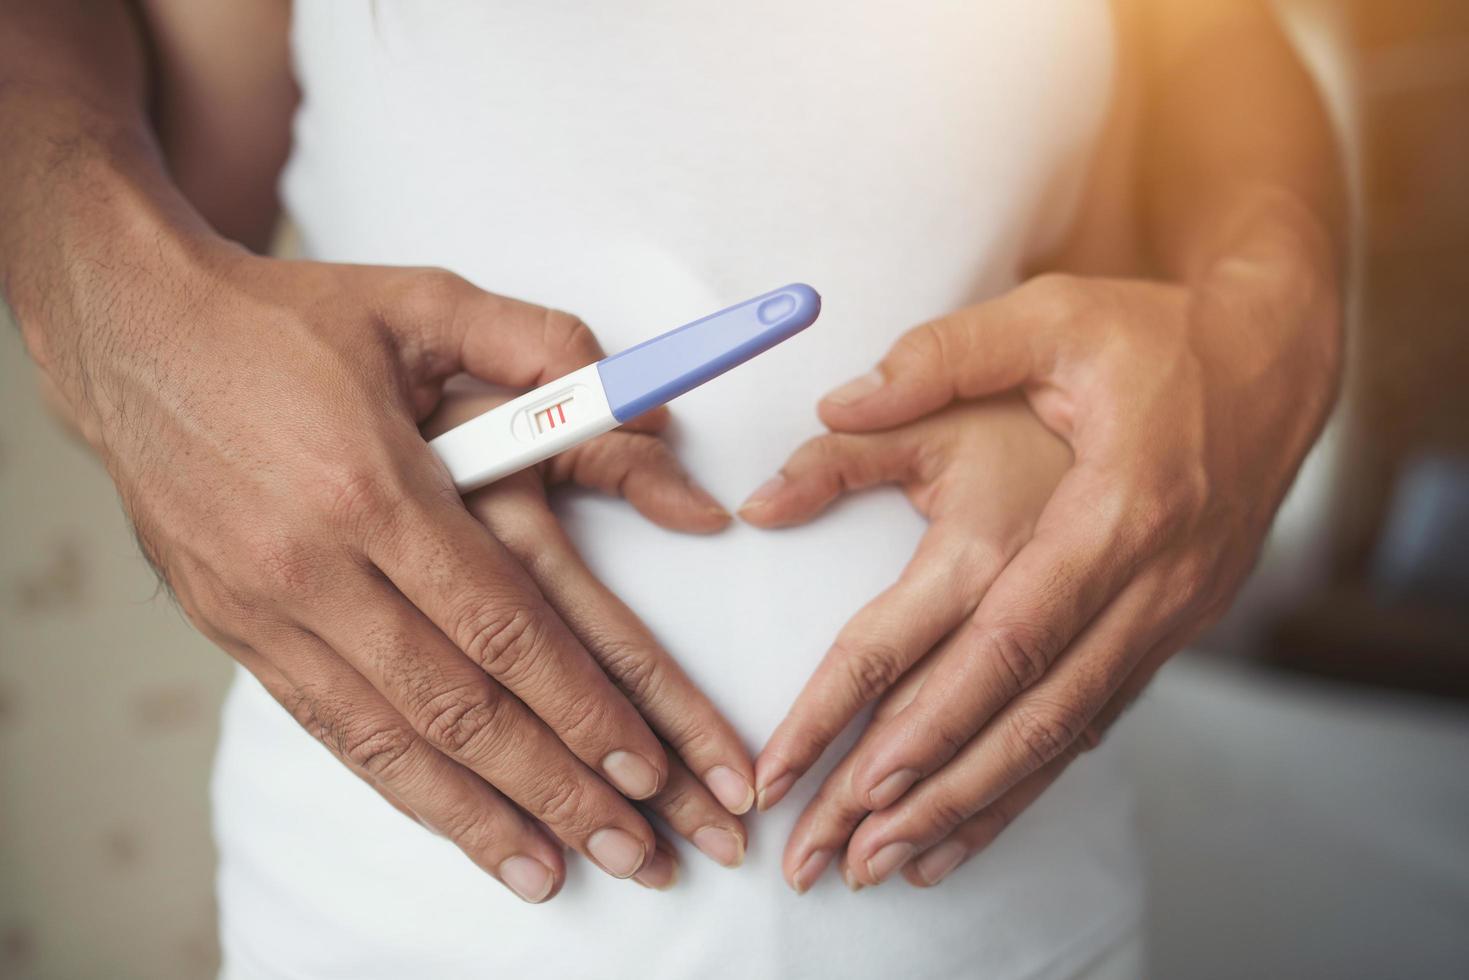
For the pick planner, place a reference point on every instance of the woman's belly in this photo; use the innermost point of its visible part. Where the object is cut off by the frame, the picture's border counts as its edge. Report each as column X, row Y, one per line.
column 642, row 164
column 320, row 877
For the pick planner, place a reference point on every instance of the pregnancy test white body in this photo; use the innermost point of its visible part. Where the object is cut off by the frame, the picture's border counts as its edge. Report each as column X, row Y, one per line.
column 601, row 396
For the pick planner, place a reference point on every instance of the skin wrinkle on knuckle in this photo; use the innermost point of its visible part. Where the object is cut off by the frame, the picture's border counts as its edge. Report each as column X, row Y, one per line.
column 500, row 638
column 677, row 803
column 589, row 719
column 378, row 750
column 690, row 737
column 989, row 823
column 632, row 665
column 944, row 811
column 868, row 669
column 458, row 720
column 1042, row 732
column 1019, row 654
column 302, row 708
column 474, row 831
column 561, row 803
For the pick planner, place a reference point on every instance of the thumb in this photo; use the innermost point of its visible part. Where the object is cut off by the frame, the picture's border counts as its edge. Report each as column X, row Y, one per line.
column 462, row 328
column 826, row 467
column 977, row 351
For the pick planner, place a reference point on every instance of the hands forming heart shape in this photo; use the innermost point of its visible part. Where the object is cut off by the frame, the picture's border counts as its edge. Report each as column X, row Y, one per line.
column 1098, row 461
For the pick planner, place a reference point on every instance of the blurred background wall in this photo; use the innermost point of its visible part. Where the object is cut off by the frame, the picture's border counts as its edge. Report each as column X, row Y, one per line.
column 1304, row 779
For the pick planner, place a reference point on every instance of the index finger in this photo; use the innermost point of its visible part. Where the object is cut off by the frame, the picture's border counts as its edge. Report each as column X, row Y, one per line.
column 981, row 350
column 1040, row 602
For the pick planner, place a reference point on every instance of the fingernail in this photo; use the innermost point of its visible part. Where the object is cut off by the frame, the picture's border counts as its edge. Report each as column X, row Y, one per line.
column 707, row 500
column 764, row 492
column 889, row 859
column 886, row 793
column 856, row 389
column 619, row 853
column 810, row 870
column 935, row 865
column 847, row 876
column 632, row 774
column 659, row 874
column 730, row 788
column 774, row 791
column 527, row 877
column 721, row 845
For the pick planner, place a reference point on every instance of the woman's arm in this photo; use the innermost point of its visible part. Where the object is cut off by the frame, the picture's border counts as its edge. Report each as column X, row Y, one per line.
column 222, row 100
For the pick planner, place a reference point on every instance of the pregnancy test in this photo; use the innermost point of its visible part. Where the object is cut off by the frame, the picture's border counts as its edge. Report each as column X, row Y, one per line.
column 599, row 397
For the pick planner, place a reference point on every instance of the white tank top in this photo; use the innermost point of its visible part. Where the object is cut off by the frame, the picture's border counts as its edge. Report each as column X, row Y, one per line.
column 642, row 163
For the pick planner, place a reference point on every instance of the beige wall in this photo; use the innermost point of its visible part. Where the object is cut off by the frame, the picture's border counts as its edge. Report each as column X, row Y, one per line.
column 108, row 705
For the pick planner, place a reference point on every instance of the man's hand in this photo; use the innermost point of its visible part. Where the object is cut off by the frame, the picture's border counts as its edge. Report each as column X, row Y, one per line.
column 260, row 418
column 980, row 471
column 1188, row 409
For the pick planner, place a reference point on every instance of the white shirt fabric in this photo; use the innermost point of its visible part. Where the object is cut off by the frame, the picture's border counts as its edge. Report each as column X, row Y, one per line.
column 642, row 163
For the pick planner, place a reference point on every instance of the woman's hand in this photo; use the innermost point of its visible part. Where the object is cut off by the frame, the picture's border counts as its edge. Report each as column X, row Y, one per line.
column 981, row 472
column 1188, row 410
column 639, row 466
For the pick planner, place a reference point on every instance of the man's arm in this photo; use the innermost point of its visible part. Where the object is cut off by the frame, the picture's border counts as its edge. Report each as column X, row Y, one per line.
column 1213, row 117
column 259, row 419
column 1236, row 141
column 1189, row 368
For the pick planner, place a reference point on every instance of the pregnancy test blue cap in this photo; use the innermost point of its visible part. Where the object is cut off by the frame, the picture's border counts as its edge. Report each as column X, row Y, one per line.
column 659, row 370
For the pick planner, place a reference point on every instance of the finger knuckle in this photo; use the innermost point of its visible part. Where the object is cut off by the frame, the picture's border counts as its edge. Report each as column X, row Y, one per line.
column 565, row 332
column 563, row 804
column 1053, row 294
column 947, row 810
column 1042, row 732
column 432, row 288
column 692, row 736
column 632, row 666
column 677, row 803
column 1091, row 737
column 1019, row 652
column 302, row 708
column 924, row 344
column 458, row 720
column 355, row 495
column 997, row 816
column 588, row 717
column 377, row 750
column 280, row 564
column 474, row 830
column 978, row 557
column 868, row 668
column 227, row 609
column 501, row 639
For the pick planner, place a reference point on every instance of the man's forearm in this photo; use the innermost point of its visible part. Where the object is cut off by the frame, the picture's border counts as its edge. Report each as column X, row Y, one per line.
column 1236, row 151
column 86, row 204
